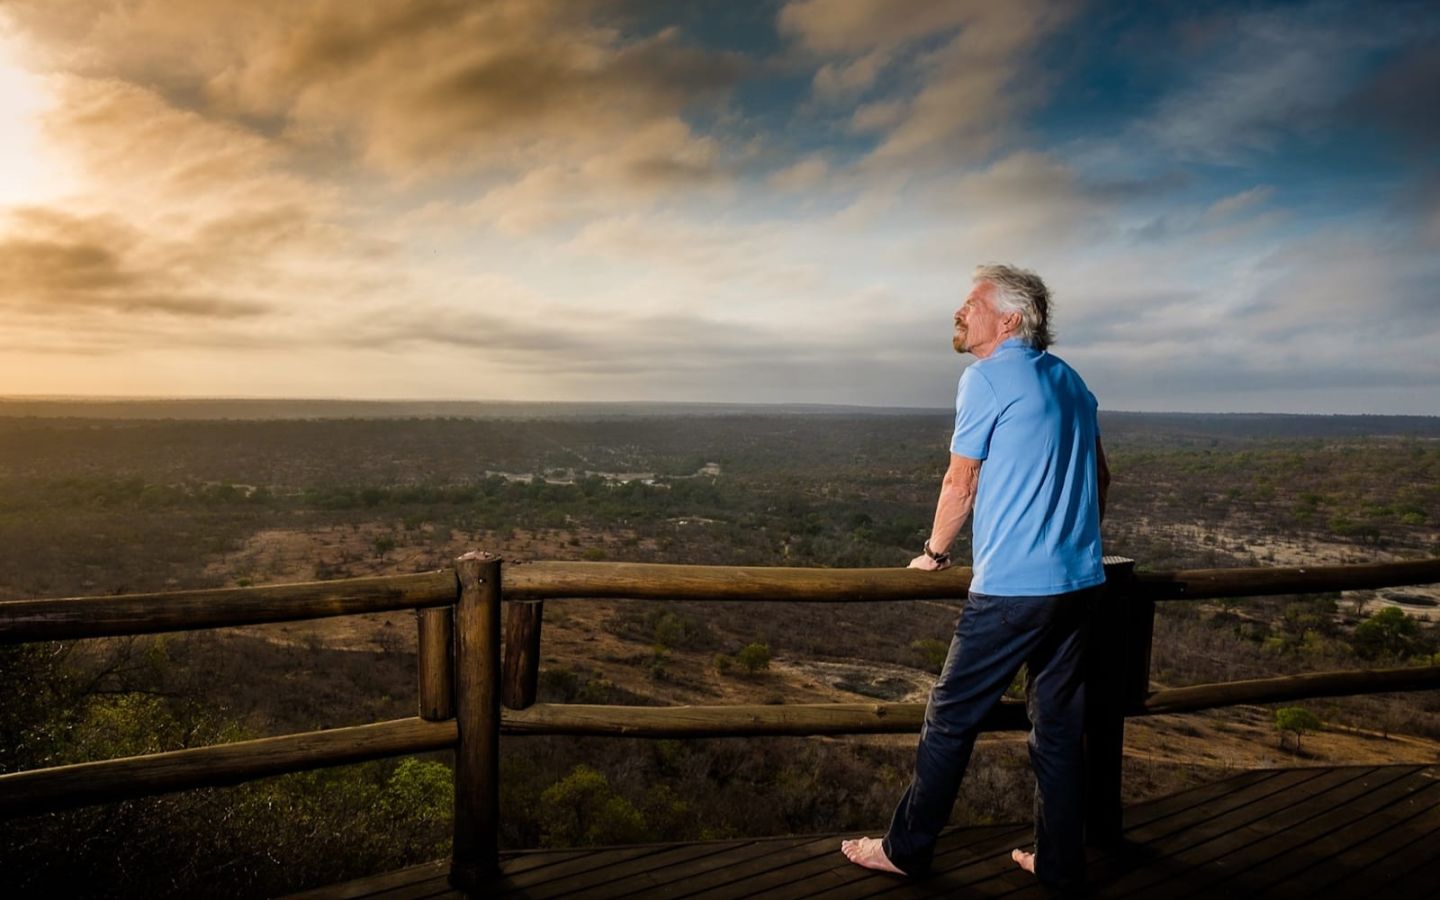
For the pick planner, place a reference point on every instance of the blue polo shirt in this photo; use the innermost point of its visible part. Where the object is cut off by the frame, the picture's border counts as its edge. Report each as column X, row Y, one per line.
column 1030, row 417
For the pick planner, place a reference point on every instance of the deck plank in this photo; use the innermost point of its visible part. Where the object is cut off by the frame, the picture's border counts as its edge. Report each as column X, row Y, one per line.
column 1398, row 867
column 537, row 877
column 1314, row 847
column 684, row 876
column 1350, row 871
column 647, row 871
column 1245, row 855
column 1421, row 882
column 429, row 889
column 367, row 887
column 525, row 860
column 1212, row 838
column 957, row 852
column 1149, row 811
column 1169, row 825
column 768, row 872
column 1349, row 831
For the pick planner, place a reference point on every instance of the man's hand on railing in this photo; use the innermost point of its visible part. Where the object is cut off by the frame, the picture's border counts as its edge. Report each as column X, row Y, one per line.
column 926, row 563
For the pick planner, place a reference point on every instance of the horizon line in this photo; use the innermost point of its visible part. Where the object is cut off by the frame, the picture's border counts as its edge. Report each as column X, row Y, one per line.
column 160, row 398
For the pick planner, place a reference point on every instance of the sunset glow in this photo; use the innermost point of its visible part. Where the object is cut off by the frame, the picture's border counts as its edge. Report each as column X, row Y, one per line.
column 1236, row 207
column 30, row 172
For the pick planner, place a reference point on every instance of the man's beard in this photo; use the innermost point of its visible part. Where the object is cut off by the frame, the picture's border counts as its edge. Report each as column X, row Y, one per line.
column 958, row 342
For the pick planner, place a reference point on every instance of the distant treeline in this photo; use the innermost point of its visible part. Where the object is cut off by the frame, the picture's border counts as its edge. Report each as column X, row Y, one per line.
column 226, row 408
column 1199, row 425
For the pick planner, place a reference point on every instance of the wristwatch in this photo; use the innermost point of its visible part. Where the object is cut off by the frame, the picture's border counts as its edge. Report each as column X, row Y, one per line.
column 941, row 558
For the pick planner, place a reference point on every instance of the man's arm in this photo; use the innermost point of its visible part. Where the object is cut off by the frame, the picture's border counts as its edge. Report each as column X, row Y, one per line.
column 957, row 498
column 1102, row 475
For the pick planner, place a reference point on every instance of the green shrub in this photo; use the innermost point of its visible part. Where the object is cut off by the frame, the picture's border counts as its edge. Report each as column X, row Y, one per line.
column 754, row 657
column 932, row 653
column 583, row 810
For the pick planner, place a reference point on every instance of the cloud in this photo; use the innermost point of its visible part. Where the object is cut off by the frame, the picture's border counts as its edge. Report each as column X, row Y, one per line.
column 856, row 26
column 880, row 116
column 634, row 173
column 413, row 88
column 957, row 71
column 1339, row 289
column 661, row 344
column 1332, row 319
column 1236, row 203
column 1028, row 199
column 805, row 174
column 1399, row 98
column 1263, row 76
column 137, row 147
column 570, row 198
column 52, row 263
column 841, row 80
column 176, row 219
column 749, row 267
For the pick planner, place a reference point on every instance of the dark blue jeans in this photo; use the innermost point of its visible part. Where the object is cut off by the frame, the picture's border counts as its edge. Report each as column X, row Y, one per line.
column 993, row 637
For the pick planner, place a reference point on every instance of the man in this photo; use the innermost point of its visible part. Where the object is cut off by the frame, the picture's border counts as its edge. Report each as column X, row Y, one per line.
column 1026, row 457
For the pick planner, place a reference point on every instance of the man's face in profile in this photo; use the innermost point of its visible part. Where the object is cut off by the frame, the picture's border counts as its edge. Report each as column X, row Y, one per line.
column 976, row 322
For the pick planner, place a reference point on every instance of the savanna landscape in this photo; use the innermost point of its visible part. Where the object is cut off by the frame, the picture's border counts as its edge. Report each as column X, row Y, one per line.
column 115, row 499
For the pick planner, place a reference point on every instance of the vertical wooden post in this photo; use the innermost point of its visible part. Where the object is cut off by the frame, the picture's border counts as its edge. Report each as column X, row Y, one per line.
column 1139, row 615
column 475, row 857
column 436, row 656
column 1108, row 649
column 522, row 652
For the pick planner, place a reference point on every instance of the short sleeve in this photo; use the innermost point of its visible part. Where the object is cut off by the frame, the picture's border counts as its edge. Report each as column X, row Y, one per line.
column 976, row 411
column 1094, row 410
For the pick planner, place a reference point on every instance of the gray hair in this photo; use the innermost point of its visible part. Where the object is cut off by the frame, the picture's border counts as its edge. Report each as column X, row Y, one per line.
column 1020, row 290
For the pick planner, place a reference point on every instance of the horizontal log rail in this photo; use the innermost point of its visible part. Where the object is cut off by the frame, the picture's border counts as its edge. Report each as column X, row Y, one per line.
column 1291, row 687
column 62, row 787
column 737, row 720
column 87, row 617
column 1210, row 584
column 660, row 581
column 657, row 581
column 901, row 718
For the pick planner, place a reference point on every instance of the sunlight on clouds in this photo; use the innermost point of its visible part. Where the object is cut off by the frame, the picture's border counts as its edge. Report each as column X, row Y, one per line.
column 28, row 171
column 144, row 156
column 552, row 199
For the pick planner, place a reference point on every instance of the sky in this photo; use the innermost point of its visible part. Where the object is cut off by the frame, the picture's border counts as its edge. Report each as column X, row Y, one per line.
column 1235, row 205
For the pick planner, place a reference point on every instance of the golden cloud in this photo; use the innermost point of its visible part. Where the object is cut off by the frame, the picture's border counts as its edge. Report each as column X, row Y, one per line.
column 408, row 86
column 51, row 262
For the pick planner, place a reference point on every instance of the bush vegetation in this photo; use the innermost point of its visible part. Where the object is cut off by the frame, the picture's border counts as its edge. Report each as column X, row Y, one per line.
column 104, row 506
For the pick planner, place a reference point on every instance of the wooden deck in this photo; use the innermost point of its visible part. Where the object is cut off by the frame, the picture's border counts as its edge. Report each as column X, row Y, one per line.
column 1316, row 832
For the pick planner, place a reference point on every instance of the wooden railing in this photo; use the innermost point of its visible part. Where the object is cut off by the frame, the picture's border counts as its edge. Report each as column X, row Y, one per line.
column 461, row 683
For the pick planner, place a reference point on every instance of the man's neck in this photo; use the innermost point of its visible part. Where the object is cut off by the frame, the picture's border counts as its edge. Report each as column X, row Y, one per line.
column 989, row 349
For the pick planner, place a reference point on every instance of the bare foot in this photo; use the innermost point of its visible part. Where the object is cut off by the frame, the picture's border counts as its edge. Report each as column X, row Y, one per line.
column 870, row 853
column 1024, row 860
